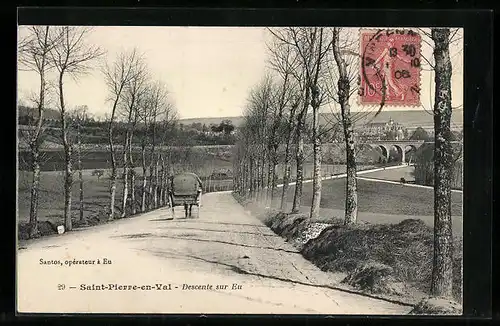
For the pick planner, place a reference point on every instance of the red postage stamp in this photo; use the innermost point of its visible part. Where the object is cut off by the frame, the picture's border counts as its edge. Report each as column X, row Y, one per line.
column 390, row 67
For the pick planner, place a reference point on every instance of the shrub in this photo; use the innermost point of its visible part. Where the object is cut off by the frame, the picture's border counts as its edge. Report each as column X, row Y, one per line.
column 406, row 247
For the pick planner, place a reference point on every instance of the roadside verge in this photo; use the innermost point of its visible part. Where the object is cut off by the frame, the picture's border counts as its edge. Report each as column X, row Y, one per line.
column 391, row 262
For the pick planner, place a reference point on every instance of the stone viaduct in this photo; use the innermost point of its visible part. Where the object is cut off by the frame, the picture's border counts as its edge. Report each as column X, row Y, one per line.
column 403, row 147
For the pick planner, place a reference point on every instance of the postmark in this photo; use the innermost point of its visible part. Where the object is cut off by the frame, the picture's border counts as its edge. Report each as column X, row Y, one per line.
column 390, row 67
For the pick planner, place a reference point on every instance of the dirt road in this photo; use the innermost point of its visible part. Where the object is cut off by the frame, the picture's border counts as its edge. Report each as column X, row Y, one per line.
column 224, row 261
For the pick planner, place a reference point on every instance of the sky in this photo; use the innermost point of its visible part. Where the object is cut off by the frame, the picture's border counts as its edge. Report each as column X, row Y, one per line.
column 208, row 70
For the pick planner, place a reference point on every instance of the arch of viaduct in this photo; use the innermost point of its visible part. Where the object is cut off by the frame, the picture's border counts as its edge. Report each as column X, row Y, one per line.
column 403, row 147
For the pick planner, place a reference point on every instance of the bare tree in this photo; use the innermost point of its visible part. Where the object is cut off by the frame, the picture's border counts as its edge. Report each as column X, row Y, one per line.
column 79, row 117
column 313, row 58
column 34, row 51
column 159, row 107
column 252, row 148
column 156, row 113
column 131, row 162
column 441, row 64
column 260, row 108
column 289, row 131
column 291, row 36
column 442, row 271
column 311, row 48
column 117, row 76
column 243, row 159
column 144, row 142
column 133, row 91
column 146, row 119
column 283, row 61
column 167, row 117
column 345, row 75
column 71, row 56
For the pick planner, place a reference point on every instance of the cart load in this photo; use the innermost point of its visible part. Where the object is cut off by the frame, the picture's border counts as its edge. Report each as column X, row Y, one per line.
column 185, row 191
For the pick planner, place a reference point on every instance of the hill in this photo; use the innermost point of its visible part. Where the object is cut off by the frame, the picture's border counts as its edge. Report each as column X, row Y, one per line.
column 408, row 118
column 28, row 111
column 236, row 120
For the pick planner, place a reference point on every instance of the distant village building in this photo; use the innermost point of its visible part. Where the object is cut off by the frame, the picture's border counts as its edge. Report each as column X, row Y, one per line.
column 400, row 135
column 378, row 130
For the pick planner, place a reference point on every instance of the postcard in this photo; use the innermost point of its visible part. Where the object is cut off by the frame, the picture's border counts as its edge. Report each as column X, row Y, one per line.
column 240, row 170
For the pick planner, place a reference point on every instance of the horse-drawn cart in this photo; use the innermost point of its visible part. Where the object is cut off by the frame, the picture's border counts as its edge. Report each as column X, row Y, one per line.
column 185, row 190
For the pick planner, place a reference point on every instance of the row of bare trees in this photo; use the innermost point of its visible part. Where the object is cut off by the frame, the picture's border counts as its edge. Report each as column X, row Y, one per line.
column 55, row 54
column 141, row 102
column 313, row 68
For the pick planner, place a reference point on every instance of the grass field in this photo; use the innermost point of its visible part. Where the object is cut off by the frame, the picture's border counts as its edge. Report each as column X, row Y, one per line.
column 379, row 197
column 96, row 201
column 199, row 159
column 380, row 202
column 394, row 174
column 326, row 170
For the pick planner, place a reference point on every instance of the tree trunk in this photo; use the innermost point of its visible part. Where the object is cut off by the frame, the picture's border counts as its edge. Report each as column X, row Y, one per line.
column 242, row 177
column 269, row 183
column 274, row 176
column 112, row 183
column 262, row 177
column 125, row 178
column 246, row 176
column 160, row 180
column 150, row 188
column 80, row 173
column 112, row 190
column 286, row 176
column 299, row 176
column 35, row 186
column 152, row 195
column 236, row 171
column 68, row 175
column 316, row 195
column 257, row 177
column 144, row 179
column 162, row 183
column 251, row 177
column 315, row 103
column 287, row 169
column 35, row 147
column 155, row 187
column 133, row 206
column 351, row 203
column 167, row 186
column 68, row 187
column 442, row 271
column 299, row 162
